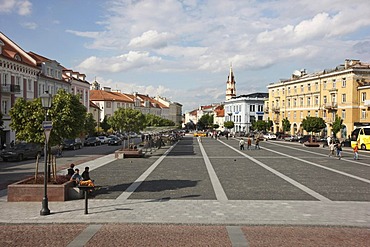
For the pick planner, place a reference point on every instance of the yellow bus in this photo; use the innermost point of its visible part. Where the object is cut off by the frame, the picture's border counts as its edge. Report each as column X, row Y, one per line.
column 361, row 135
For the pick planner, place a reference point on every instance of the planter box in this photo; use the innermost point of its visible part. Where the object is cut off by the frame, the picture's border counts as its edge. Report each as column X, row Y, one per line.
column 21, row 192
column 312, row 144
column 128, row 153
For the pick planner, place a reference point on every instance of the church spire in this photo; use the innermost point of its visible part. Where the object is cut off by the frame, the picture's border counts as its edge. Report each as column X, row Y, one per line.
column 230, row 84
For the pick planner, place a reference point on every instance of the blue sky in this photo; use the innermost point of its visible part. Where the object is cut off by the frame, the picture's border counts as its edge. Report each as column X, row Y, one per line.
column 182, row 49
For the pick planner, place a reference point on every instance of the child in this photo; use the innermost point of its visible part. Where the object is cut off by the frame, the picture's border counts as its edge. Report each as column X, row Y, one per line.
column 331, row 148
column 355, row 151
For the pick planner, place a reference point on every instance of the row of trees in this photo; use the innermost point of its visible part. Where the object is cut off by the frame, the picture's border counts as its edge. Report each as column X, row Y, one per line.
column 309, row 124
column 71, row 119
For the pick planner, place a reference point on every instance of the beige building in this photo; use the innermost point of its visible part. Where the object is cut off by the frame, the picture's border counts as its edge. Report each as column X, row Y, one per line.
column 343, row 91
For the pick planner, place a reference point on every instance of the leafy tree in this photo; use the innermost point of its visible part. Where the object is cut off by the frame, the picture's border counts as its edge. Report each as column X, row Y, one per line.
column 127, row 120
column 229, row 124
column 337, row 125
column 65, row 113
column 105, row 125
column 216, row 126
column 259, row 125
column 206, row 120
column 313, row 124
column 269, row 124
column 154, row 120
column 90, row 124
column 286, row 125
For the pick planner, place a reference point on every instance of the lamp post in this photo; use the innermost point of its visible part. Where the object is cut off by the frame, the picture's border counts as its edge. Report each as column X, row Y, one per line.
column 46, row 104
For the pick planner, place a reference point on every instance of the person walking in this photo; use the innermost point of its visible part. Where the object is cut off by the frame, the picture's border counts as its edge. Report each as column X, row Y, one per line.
column 241, row 144
column 331, row 149
column 249, row 143
column 339, row 150
column 355, row 151
column 257, row 143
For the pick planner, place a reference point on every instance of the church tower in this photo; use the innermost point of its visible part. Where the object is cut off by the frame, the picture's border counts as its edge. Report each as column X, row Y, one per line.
column 230, row 85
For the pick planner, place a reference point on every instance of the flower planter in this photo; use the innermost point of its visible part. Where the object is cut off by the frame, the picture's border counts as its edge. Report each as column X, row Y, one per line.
column 128, row 153
column 23, row 192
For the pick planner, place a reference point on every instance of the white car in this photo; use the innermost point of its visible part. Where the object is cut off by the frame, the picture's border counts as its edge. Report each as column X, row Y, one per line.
column 104, row 139
column 269, row 136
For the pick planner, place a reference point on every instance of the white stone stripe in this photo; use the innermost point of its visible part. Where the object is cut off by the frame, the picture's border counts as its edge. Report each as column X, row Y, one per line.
column 131, row 189
column 219, row 191
column 286, row 178
column 236, row 236
column 84, row 236
column 323, row 167
column 325, row 155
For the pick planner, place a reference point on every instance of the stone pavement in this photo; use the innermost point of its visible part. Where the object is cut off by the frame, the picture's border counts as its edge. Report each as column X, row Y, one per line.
column 222, row 222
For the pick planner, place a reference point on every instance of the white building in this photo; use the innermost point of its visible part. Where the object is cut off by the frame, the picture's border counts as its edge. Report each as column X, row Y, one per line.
column 243, row 110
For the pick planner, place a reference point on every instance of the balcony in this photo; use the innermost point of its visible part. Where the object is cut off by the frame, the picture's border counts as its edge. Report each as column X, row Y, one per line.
column 10, row 88
column 266, row 110
column 276, row 109
column 331, row 106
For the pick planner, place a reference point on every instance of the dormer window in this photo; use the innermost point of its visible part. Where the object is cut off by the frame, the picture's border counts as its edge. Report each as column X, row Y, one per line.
column 17, row 57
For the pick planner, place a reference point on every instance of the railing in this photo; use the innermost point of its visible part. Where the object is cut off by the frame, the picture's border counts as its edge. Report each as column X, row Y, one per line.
column 10, row 88
column 275, row 109
column 332, row 105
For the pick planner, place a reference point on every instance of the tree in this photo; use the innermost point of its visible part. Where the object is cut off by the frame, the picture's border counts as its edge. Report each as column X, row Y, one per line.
column 127, row 120
column 337, row 125
column 259, row 125
column 90, row 124
column 154, row 120
column 105, row 125
column 286, row 125
column 206, row 121
column 313, row 124
column 269, row 124
column 65, row 113
column 229, row 124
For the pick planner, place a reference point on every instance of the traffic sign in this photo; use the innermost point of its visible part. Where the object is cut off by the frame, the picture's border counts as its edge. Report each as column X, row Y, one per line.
column 47, row 125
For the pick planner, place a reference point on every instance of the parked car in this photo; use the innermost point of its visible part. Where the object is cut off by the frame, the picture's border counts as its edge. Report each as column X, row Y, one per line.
column 103, row 139
column 92, row 141
column 115, row 141
column 72, row 144
column 307, row 138
column 22, row 151
column 291, row 138
column 269, row 136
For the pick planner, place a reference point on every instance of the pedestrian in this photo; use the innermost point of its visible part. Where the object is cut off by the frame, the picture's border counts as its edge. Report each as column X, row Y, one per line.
column 339, row 150
column 249, row 143
column 12, row 144
column 227, row 136
column 70, row 171
column 241, row 144
column 355, row 151
column 86, row 174
column 331, row 149
column 76, row 177
column 328, row 140
column 257, row 143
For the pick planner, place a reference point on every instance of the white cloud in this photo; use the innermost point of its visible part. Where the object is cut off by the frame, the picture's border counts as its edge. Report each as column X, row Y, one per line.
column 22, row 7
column 131, row 60
column 29, row 25
column 150, row 39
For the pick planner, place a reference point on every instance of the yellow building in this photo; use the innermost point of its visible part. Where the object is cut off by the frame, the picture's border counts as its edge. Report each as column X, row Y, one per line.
column 343, row 91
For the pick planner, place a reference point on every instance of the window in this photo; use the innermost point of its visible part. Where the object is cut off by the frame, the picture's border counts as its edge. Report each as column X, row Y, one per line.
column 295, row 102
column 316, row 86
column 344, row 98
column 363, row 97
column 308, row 101
column 324, row 114
column 316, row 100
column 316, row 113
column 363, row 114
column 325, row 99
column 301, row 114
column 343, row 114
column 324, row 85
column 283, row 103
column 5, row 79
column 344, row 82
column 29, row 83
column 260, row 108
column 309, row 114
column 252, row 108
column 300, row 102
column 283, row 90
column 295, row 89
column 334, row 83
column 288, row 102
column 294, row 115
column 302, row 89
column 309, row 87
column 288, row 114
column 288, row 90
column 108, row 105
column 4, row 107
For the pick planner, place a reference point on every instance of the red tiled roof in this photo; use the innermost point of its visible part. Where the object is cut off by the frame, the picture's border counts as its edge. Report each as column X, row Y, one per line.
column 101, row 95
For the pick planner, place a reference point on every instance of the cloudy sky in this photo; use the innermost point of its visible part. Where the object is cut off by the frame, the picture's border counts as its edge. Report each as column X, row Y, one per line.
column 182, row 49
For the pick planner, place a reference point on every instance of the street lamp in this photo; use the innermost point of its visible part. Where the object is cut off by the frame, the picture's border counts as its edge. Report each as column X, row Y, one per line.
column 46, row 104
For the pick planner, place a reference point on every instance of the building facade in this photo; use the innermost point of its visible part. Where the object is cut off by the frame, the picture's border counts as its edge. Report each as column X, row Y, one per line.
column 243, row 110
column 343, row 91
